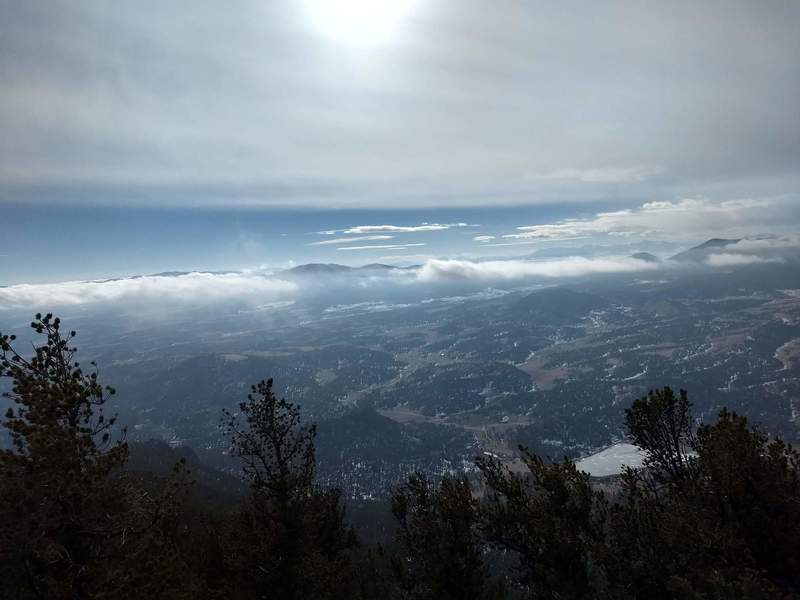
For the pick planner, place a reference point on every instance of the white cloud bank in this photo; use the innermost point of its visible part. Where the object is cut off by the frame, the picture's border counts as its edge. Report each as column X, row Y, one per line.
column 728, row 259
column 765, row 243
column 434, row 270
column 688, row 218
column 260, row 287
column 754, row 251
column 189, row 288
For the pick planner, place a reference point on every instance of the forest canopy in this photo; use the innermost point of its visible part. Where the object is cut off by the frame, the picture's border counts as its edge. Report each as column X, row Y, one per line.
column 713, row 513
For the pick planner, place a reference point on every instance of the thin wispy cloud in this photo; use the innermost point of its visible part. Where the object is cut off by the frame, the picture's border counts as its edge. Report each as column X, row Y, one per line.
column 536, row 241
column 363, row 238
column 383, row 247
column 403, row 228
column 484, row 238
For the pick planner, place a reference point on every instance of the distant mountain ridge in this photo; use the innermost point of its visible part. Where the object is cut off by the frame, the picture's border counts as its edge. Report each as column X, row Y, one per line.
column 335, row 268
column 592, row 250
column 319, row 268
column 304, row 269
column 701, row 252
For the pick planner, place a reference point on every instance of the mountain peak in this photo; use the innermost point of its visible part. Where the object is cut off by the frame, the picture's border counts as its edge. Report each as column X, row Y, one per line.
column 715, row 243
column 700, row 253
column 312, row 268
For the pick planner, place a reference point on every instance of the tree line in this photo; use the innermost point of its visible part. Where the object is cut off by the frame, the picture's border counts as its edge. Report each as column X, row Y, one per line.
column 713, row 513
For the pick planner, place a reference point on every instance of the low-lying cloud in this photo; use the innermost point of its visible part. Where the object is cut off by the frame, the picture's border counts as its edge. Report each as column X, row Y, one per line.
column 205, row 288
column 730, row 259
column 765, row 243
column 259, row 288
column 434, row 270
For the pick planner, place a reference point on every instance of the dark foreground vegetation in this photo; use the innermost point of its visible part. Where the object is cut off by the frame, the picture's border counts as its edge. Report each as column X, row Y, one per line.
column 715, row 512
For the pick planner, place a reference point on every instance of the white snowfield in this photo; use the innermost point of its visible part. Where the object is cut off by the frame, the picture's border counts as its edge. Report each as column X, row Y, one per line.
column 612, row 460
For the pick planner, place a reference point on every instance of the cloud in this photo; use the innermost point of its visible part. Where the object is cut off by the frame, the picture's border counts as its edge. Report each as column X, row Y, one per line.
column 527, row 242
column 102, row 98
column 736, row 260
column 361, row 238
column 683, row 219
column 189, row 288
column 382, row 247
column 484, row 238
column 602, row 174
column 434, row 270
column 765, row 243
column 403, row 228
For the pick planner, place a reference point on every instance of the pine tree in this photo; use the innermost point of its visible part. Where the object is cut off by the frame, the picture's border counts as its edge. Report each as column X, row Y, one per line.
column 291, row 540
column 440, row 542
column 72, row 525
column 660, row 424
column 750, row 486
column 551, row 520
column 714, row 513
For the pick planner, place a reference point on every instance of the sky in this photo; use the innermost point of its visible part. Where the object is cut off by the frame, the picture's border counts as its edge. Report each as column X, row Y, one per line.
column 140, row 137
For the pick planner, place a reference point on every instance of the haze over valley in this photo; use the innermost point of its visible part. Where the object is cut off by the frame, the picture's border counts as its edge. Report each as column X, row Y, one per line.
column 424, row 367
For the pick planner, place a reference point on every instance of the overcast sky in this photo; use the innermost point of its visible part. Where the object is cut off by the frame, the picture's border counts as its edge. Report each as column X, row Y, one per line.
column 425, row 104
column 463, row 102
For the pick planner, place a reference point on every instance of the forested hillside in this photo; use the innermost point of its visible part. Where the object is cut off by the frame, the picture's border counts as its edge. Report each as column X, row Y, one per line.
column 713, row 513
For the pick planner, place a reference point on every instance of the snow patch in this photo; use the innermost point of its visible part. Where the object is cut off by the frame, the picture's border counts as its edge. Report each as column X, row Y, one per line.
column 612, row 460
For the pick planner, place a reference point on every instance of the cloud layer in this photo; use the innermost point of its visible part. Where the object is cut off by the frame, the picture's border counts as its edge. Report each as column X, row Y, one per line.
column 134, row 103
column 727, row 259
column 435, row 270
column 678, row 220
column 259, row 288
column 191, row 288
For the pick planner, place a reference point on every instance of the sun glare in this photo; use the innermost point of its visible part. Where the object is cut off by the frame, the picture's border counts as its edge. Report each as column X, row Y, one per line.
column 362, row 22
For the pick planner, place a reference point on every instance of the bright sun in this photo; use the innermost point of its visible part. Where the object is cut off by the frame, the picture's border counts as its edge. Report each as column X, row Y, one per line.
column 358, row 21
